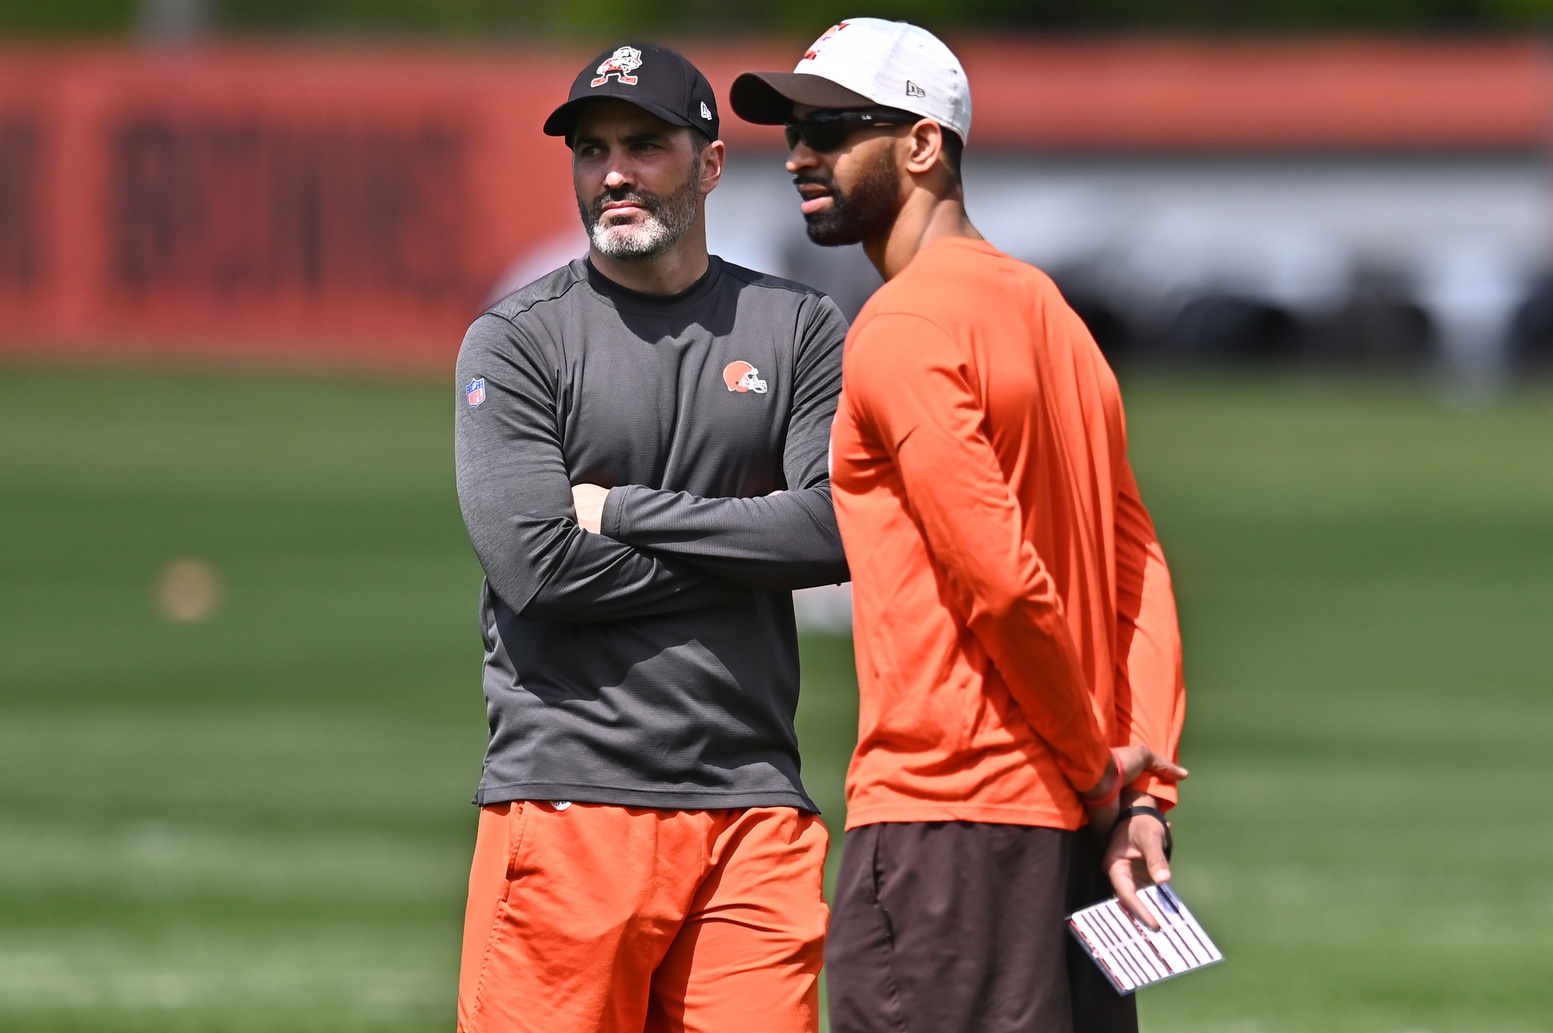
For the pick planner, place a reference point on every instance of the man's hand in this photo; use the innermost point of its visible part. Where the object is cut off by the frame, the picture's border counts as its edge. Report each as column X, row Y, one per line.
column 1130, row 763
column 588, row 500
column 1135, row 856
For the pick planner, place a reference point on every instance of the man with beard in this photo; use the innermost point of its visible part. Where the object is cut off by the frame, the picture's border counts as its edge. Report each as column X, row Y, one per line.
column 641, row 448
column 1017, row 650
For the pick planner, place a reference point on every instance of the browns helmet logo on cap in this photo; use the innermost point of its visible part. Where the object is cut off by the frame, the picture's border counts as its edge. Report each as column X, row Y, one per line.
column 813, row 51
column 620, row 64
column 740, row 376
column 655, row 79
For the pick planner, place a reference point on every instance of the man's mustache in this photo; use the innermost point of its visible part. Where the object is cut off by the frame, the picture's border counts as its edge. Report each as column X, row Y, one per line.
column 646, row 200
column 815, row 179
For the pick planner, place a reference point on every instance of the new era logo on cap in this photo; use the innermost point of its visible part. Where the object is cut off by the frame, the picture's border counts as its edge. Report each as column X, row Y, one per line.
column 913, row 90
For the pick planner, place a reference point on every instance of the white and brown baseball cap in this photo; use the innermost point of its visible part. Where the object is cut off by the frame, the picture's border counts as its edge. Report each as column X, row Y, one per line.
column 863, row 63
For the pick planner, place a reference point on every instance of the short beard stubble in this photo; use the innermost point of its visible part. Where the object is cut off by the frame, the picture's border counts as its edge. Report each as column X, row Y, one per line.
column 865, row 210
column 669, row 218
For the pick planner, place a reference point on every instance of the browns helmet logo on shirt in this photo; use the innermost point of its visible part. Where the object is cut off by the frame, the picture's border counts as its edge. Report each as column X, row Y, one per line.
column 740, row 376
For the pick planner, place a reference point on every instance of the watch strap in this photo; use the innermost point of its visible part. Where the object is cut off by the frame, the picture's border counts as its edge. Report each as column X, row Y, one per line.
column 1152, row 812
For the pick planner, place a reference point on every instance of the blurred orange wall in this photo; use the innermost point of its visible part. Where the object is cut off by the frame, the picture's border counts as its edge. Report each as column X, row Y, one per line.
column 355, row 207
column 304, row 203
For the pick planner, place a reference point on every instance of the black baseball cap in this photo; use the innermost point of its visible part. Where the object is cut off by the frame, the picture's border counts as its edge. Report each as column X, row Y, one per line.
column 655, row 79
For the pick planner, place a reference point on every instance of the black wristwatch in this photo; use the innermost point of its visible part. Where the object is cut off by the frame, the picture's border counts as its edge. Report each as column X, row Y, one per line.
column 1155, row 813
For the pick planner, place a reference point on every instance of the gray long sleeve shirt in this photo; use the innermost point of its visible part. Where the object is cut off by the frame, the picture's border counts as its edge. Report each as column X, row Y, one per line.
column 656, row 664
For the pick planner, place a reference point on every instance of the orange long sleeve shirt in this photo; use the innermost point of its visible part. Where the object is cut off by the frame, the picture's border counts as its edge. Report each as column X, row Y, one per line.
column 1013, row 612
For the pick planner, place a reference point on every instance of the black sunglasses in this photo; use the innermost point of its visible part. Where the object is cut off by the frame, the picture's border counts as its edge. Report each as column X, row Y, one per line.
column 827, row 130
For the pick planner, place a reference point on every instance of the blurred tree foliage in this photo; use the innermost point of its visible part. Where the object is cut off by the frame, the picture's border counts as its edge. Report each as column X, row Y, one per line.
column 66, row 17
column 593, row 18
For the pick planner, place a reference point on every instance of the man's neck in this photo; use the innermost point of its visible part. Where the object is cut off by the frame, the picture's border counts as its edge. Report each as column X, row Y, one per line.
column 924, row 218
column 672, row 272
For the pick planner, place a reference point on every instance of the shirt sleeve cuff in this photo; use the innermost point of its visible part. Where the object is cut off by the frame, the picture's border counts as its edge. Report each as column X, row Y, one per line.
column 1165, row 792
column 1083, row 780
column 615, row 523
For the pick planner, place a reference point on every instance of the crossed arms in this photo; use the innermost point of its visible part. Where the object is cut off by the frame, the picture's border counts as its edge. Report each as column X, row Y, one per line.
column 660, row 551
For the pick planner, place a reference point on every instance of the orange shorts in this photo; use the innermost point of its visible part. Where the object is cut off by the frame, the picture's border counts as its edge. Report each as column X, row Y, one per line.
column 592, row 918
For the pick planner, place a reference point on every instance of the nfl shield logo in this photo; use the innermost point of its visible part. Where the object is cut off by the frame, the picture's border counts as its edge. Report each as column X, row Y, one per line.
column 475, row 392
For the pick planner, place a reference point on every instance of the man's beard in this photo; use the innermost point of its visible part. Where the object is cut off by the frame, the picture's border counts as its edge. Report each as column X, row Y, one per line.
column 865, row 210
column 668, row 220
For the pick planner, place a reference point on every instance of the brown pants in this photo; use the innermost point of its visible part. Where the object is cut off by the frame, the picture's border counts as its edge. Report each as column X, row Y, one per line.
column 957, row 927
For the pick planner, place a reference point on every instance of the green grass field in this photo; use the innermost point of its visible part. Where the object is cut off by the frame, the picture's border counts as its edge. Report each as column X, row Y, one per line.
column 260, row 821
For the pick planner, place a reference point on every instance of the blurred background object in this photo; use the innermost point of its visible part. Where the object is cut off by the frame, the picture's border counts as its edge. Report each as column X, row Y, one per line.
column 239, row 693
column 188, row 590
column 1364, row 202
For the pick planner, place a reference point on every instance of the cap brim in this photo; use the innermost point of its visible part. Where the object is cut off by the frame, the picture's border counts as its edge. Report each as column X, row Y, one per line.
column 767, row 98
column 564, row 118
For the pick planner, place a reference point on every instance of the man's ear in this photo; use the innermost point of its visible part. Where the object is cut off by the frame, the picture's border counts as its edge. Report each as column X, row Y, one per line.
column 711, row 165
column 927, row 145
